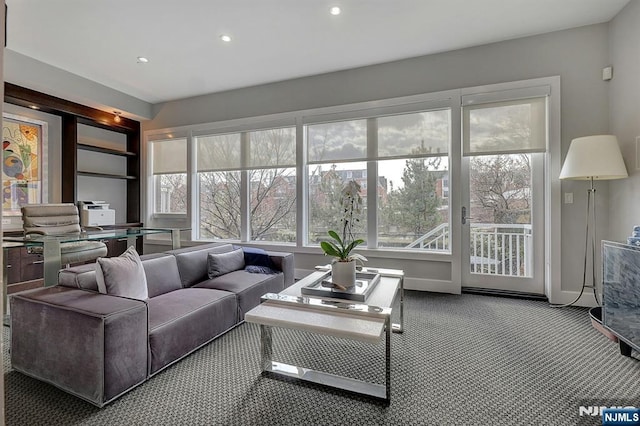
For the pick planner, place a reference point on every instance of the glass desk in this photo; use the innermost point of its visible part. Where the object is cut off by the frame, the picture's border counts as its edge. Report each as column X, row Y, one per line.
column 51, row 244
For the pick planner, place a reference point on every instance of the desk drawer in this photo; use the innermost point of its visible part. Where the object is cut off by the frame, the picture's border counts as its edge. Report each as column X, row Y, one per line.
column 32, row 266
column 13, row 265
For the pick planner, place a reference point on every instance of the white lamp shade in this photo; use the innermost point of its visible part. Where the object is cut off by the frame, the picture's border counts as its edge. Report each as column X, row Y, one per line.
column 594, row 157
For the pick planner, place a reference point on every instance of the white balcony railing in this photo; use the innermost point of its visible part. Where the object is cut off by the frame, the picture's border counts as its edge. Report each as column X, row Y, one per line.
column 502, row 249
column 437, row 239
column 495, row 249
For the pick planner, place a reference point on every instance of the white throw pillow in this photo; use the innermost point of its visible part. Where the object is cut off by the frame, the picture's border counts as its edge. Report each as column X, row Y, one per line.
column 122, row 276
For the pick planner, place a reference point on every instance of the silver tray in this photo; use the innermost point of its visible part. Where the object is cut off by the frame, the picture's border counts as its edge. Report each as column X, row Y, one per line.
column 364, row 285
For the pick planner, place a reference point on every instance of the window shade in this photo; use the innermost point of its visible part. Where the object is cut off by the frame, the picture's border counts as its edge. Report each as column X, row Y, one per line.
column 420, row 133
column 272, row 148
column 169, row 156
column 505, row 127
column 219, row 152
column 337, row 141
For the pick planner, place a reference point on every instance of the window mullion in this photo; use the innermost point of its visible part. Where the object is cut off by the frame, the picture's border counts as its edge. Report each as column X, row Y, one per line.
column 302, row 186
column 245, row 202
column 372, row 183
column 193, row 188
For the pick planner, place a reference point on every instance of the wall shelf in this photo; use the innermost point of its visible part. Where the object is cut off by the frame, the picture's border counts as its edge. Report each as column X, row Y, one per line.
column 86, row 147
column 106, row 175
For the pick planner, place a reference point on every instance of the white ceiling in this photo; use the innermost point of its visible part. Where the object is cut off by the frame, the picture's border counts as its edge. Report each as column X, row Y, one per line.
column 273, row 40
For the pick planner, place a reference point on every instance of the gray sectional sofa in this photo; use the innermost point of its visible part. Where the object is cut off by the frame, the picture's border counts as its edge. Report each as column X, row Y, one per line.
column 98, row 347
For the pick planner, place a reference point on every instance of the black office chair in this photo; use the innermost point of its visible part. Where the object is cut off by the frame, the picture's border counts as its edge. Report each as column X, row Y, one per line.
column 60, row 219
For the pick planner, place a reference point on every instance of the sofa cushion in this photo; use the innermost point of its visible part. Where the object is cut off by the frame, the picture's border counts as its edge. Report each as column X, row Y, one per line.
column 183, row 320
column 247, row 287
column 162, row 274
column 161, row 271
column 192, row 261
column 223, row 263
column 122, row 276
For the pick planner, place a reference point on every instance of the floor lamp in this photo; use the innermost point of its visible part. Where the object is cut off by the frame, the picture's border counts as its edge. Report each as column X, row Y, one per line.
column 592, row 158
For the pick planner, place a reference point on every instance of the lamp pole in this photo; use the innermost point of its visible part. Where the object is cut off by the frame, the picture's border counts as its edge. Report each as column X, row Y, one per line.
column 589, row 240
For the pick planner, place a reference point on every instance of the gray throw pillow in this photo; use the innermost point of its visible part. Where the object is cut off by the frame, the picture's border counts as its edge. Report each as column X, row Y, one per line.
column 223, row 263
column 122, row 276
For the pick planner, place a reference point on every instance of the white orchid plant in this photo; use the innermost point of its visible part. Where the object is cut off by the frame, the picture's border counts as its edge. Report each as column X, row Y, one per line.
column 341, row 247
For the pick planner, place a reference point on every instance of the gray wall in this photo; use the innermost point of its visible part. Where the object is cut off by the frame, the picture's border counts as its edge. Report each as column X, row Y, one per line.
column 624, row 45
column 576, row 55
column 33, row 74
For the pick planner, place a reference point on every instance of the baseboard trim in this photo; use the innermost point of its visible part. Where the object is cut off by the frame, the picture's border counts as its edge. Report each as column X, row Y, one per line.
column 504, row 293
column 587, row 300
column 436, row 286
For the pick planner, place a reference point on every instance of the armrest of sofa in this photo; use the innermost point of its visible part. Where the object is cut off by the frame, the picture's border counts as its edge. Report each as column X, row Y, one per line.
column 80, row 276
column 89, row 344
column 285, row 263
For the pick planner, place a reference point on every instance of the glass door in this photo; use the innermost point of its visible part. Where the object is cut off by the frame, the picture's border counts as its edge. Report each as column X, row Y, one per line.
column 503, row 146
column 503, row 223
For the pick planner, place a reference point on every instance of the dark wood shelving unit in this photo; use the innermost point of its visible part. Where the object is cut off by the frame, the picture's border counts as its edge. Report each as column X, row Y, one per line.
column 73, row 114
column 25, row 270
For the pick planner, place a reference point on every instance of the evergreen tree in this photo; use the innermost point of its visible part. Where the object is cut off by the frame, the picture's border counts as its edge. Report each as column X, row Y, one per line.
column 417, row 201
column 412, row 209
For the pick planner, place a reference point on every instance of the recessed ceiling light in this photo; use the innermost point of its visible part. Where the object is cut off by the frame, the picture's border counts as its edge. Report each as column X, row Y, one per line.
column 225, row 37
column 34, row 107
column 335, row 10
column 142, row 59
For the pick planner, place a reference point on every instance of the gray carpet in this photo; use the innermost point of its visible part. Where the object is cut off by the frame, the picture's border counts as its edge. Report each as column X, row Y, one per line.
column 463, row 360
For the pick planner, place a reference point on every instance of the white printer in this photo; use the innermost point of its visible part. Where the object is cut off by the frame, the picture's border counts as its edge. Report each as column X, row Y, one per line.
column 96, row 213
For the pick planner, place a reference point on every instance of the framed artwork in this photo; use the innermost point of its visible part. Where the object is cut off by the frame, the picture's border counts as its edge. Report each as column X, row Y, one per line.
column 24, row 162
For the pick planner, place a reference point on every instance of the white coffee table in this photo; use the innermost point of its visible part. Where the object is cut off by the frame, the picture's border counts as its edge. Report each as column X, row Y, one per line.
column 366, row 322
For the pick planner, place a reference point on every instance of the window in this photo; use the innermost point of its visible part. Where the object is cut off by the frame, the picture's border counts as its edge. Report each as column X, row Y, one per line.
column 169, row 170
column 218, row 160
column 331, row 146
column 261, row 161
column 411, row 153
column 413, row 207
column 272, row 184
column 245, row 177
column 325, row 184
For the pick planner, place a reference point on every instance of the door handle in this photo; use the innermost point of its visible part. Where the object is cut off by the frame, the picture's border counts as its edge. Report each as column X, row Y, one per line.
column 465, row 218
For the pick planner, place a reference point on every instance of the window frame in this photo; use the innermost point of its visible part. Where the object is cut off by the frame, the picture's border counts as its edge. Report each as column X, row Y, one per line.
column 372, row 157
column 244, row 168
column 161, row 137
column 452, row 98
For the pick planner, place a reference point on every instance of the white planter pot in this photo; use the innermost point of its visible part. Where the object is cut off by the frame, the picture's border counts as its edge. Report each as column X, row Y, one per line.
column 344, row 273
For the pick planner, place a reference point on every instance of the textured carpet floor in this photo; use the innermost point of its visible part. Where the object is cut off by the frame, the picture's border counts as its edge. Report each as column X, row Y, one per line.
column 463, row 360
